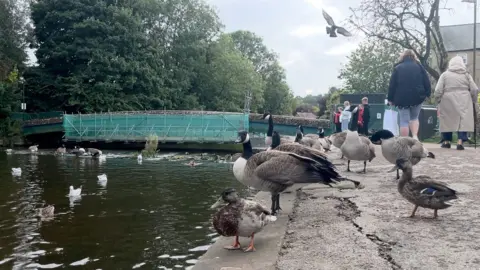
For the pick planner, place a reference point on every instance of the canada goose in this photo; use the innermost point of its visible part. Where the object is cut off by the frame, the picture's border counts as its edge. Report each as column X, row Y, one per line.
column 325, row 142
column 33, row 148
column 239, row 217
column 302, row 150
column 266, row 170
column 309, row 135
column 268, row 140
column 61, row 150
column 236, row 156
column 357, row 147
column 307, row 141
column 337, row 139
column 394, row 148
column 422, row 190
column 75, row 192
column 46, row 212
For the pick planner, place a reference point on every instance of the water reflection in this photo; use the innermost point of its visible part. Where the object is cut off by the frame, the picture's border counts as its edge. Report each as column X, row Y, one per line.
column 150, row 216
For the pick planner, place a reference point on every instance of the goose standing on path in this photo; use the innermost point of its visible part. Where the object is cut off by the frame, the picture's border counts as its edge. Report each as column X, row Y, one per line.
column 359, row 148
column 308, row 141
column 275, row 171
column 303, row 151
column 394, row 148
column 422, row 190
column 325, row 142
column 239, row 217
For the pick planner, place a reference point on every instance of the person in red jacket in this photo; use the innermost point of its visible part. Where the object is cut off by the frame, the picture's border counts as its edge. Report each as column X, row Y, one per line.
column 360, row 121
column 337, row 121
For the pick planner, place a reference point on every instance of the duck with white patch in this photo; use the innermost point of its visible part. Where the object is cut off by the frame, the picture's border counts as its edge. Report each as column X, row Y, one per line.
column 239, row 217
column 266, row 171
column 325, row 142
column 423, row 191
column 394, row 148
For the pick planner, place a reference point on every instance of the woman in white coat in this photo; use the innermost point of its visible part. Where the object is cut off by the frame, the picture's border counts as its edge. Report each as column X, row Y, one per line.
column 456, row 93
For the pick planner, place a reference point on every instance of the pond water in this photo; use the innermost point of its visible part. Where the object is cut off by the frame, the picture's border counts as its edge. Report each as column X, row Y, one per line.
column 150, row 215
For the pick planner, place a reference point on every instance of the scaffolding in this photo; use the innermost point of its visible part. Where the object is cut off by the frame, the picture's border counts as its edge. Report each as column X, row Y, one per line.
column 169, row 126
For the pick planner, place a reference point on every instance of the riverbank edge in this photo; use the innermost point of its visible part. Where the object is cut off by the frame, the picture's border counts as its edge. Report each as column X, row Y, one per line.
column 268, row 242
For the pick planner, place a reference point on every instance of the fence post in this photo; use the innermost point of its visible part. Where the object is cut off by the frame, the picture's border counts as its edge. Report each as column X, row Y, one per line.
column 95, row 126
column 203, row 130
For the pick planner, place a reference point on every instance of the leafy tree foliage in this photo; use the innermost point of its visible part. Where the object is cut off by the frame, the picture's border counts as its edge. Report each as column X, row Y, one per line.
column 148, row 54
column 277, row 95
column 369, row 67
column 411, row 24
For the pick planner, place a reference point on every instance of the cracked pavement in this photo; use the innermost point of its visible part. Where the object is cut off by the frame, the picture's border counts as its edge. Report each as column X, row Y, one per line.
column 369, row 228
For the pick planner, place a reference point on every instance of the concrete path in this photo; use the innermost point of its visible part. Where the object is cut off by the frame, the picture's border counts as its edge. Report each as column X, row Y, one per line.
column 368, row 229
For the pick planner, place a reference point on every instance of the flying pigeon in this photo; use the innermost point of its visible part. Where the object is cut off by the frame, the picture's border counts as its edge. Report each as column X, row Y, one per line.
column 331, row 30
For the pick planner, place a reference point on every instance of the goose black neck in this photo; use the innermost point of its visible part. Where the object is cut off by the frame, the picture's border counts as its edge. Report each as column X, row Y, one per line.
column 247, row 150
column 275, row 141
column 270, row 126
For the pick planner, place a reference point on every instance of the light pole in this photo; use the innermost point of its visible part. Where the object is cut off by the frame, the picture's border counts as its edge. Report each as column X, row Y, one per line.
column 474, row 63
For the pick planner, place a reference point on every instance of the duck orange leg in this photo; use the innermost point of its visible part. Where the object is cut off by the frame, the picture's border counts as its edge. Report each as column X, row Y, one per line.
column 250, row 246
column 236, row 245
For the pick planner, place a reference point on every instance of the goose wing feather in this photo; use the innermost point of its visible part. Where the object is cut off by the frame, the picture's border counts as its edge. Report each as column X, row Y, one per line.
column 275, row 170
column 328, row 18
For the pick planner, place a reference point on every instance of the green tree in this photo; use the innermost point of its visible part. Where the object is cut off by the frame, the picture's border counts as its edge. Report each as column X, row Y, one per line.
column 227, row 78
column 411, row 24
column 94, row 56
column 15, row 35
column 277, row 97
column 369, row 67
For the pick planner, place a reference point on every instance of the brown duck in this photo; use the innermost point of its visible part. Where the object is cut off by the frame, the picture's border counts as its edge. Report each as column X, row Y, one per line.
column 239, row 217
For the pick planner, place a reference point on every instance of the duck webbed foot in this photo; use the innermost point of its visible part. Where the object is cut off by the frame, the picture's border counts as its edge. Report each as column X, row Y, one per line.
column 413, row 212
column 250, row 247
column 364, row 167
column 235, row 246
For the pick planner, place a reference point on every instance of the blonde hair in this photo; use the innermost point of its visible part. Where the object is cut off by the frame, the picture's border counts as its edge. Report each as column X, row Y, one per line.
column 408, row 54
column 346, row 103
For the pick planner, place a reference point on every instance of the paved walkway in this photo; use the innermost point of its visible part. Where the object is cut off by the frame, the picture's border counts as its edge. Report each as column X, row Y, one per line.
column 368, row 229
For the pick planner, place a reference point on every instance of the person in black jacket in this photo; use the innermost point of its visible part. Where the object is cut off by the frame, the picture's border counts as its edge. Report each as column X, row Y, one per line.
column 353, row 126
column 409, row 87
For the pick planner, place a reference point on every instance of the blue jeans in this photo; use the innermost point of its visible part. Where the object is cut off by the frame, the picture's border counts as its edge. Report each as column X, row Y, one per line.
column 345, row 124
column 462, row 135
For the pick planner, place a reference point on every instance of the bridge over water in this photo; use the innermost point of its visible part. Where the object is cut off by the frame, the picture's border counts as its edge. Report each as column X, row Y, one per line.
column 169, row 126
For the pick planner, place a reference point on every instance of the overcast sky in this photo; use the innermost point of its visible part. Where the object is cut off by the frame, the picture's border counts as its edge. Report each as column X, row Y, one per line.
column 295, row 29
